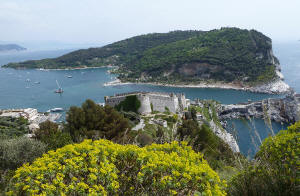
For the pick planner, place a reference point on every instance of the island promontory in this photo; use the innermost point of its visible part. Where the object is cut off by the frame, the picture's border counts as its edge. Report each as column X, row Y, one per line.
column 229, row 57
column 10, row 47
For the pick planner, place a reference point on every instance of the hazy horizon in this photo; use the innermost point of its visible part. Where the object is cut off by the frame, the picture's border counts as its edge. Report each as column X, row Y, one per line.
column 95, row 23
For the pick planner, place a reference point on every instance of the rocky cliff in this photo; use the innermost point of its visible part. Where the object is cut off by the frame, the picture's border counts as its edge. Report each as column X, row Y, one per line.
column 280, row 110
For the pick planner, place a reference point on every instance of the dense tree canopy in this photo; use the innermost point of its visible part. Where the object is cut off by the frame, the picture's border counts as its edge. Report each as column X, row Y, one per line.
column 50, row 134
column 94, row 121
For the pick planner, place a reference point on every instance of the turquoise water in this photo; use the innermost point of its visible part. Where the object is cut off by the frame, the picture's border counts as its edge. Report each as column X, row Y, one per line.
column 289, row 56
column 88, row 84
column 15, row 92
column 10, row 57
column 249, row 134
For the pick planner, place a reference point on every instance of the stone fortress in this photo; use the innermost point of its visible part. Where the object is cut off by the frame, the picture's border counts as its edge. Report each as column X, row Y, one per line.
column 159, row 101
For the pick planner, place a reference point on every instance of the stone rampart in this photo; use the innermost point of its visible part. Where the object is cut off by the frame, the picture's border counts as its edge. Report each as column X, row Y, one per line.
column 160, row 101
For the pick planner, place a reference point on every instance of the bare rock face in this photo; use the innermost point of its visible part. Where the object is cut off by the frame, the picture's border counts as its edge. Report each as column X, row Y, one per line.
column 225, row 136
column 277, row 86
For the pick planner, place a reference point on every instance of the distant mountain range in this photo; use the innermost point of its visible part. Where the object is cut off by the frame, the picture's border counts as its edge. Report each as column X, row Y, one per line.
column 10, row 47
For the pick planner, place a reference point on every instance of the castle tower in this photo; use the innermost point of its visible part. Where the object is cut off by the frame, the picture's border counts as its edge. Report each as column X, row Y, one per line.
column 145, row 104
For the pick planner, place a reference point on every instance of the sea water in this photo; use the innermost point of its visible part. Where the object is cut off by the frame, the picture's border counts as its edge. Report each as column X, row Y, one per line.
column 35, row 88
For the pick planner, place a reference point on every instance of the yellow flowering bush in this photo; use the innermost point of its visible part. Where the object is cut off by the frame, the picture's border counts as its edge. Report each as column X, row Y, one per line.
column 102, row 167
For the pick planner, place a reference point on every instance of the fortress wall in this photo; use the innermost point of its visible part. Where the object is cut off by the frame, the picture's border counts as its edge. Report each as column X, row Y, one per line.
column 113, row 101
column 161, row 102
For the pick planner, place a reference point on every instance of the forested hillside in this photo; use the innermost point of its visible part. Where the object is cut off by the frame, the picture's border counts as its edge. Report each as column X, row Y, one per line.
column 116, row 53
column 224, row 55
column 227, row 55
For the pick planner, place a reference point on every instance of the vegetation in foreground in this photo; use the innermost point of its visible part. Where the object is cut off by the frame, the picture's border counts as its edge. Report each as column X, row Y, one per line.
column 102, row 167
column 274, row 171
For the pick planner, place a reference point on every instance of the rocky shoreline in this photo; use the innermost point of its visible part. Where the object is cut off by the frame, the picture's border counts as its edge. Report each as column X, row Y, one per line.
column 75, row 68
column 284, row 110
column 275, row 87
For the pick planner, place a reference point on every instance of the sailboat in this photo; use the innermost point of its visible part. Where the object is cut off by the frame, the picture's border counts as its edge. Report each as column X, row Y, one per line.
column 59, row 90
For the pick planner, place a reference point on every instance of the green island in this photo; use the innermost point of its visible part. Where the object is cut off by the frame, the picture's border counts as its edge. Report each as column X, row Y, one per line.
column 228, row 55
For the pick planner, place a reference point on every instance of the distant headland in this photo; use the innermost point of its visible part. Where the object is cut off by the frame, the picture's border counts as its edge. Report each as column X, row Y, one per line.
column 11, row 47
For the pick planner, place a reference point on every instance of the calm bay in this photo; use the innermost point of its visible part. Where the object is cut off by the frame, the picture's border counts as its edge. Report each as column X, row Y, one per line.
column 35, row 88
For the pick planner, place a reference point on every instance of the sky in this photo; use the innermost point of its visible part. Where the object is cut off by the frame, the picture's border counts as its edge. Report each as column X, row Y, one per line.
column 100, row 22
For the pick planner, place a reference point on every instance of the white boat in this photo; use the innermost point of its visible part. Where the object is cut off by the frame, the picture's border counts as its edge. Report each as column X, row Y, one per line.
column 56, row 110
column 37, row 82
column 59, row 90
column 69, row 76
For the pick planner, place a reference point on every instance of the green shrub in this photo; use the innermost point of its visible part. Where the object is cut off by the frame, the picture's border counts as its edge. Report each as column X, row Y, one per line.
column 5, row 177
column 104, row 168
column 132, row 116
column 131, row 103
column 52, row 136
column 144, row 139
column 15, row 152
column 202, row 139
column 13, row 127
column 276, row 168
column 93, row 121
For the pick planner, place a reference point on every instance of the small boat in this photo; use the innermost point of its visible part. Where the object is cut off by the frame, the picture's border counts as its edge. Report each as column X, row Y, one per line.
column 69, row 76
column 101, row 104
column 59, row 90
column 37, row 82
column 56, row 110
